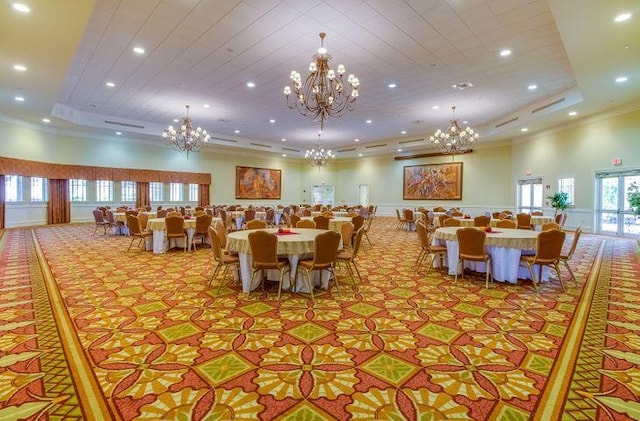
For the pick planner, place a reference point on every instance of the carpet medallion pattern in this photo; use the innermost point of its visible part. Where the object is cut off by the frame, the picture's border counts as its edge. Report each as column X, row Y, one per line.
column 99, row 333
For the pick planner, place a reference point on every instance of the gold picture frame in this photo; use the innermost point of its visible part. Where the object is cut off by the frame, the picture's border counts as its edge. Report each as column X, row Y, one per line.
column 258, row 183
column 432, row 182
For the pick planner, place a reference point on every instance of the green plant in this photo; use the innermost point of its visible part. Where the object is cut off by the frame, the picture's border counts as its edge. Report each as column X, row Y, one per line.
column 560, row 201
column 633, row 196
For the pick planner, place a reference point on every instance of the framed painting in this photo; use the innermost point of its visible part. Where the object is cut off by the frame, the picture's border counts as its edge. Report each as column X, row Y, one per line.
column 258, row 183
column 433, row 182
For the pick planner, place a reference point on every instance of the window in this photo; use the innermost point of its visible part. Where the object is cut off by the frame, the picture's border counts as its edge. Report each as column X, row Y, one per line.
column 155, row 192
column 13, row 188
column 565, row 185
column 193, row 193
column 104, row 190
column 78, row 190
column 128, row 191
column 175, row 192
column 38, row 189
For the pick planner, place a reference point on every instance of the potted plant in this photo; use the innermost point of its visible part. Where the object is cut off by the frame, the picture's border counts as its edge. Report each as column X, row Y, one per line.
column 560, row 201
column 633, row 196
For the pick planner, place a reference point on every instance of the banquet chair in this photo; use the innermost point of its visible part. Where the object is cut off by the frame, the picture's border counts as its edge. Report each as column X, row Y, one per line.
column 481, row 221
column 175, row 229
column 401, row 221
column 496, row 215
column 506, row 223
column 367, row 227
column 456, row 214
column 346, row 231
column 524, row 221
column 560, row 219
column 325, row 253
column 548, row 250
column 162, row 213
column 173, row 213
column 249, row 215
column 222, row 260
column 136, row 231
column 452, row 222
column 198, row 213
column 409, row 218
column 199, row 208
column 256, row 224
column 264, row 250
column 182, row 210
column 306, row 223
column 439, row 209
column 131, row 212
column 564, row 258
column 428, row 249
column 306, row 212
column 322, row 222
column 116, row 225
column 203, row 222
column 270, row 219
column 441, row 219
column 144, row 218
column 537, row 213
column 293, row 220
column 348, row 256
column 471, row 246
column 100, row 221
column 550, row 226
column 147, row 208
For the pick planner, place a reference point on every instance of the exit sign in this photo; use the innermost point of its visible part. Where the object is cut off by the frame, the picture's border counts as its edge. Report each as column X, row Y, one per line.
column 617, row 161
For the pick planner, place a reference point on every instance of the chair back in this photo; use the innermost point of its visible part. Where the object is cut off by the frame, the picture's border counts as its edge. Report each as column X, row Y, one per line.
column 550, row 226
column 255, row 224
column 456, row 213
column 293, row 220
column 143, row 218
column 249, row 215
column 326, row 249
column 175, row 225
column 198, row 213
column 481, row 221
column 496, row 215
column 442, row 218
column 560, row 219
column 398, row 214
column 271, row 216
column 549, row 246
column 408, row 214
column 506, row 223
column 134, row 225
column 346, row 231
column 421, row 228
column 439, row 209
column 358, row 222
column 306, row 212
column 98, row 216
column 523, row 220
column 357, row 242
column 264, row 249
column 203, row 222
column 322, row 222
column 182, row 210
column 131, row 212
column 537, row 213
column 162, row 213
column 199, row 208
column 110, row 217
column 574, row 244
column 222, row 233
column 452, row 222
column 173, row 213
column 471, row 241
column 216, row 246
column 306, row 223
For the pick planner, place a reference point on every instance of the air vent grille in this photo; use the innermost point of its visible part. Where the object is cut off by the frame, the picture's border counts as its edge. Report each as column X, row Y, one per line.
column 225, row 140
column 291, row 149
column 504, row 123
column 260, row 145
column 376, row 146
column 408, row 142
column 118, row 123
column 551, row 104
column 347, row 150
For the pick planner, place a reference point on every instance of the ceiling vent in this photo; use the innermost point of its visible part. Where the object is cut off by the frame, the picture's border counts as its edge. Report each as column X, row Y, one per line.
column 462, row 86
column 504, row 123
column 347, row 150
column 544, row 107
column 409, row 142
column 291, row 149
column 225, row 140
column 376, row 146
column 260, row 145
column 118, row 123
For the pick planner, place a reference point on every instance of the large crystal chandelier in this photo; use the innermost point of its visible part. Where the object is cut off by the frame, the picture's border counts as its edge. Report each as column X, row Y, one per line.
column 454, row 140
column 319, row 157
column 324, row 92
column 185, row 138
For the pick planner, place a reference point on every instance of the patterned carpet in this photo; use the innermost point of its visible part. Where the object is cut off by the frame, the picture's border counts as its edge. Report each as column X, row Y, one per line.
column 89, row 331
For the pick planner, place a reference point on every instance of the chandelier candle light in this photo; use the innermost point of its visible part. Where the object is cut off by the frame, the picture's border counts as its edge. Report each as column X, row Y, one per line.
column 454, row 140
column 186, row 138
column 324, row 93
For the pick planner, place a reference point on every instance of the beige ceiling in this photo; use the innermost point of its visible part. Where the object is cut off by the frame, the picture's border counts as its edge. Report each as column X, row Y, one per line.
column 204, row 52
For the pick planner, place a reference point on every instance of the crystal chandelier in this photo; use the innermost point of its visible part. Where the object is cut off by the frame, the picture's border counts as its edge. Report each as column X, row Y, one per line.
column 185, row 138
column 454, row 140
column 319, row 157
column 324, row 92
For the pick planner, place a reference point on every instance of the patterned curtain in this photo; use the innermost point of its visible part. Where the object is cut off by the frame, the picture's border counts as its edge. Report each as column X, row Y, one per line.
column 1, row 201
column 203, row 195
column 143, row 193
column 59, row 206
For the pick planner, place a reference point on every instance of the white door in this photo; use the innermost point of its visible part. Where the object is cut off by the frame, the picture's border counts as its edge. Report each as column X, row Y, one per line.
column 530, row 195
column 363, row 194
column 613, row 213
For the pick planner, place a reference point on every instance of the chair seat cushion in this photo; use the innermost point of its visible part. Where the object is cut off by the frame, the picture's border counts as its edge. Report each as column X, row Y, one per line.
column 438, row 249
column 345, row 255
column 477, row 258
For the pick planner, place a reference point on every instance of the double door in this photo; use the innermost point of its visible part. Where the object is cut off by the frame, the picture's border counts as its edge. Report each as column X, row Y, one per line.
column 613, row 213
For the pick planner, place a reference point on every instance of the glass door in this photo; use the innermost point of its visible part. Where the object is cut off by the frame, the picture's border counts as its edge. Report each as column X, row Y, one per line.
column 530, row 195
column 324, row 195
column 613, row 213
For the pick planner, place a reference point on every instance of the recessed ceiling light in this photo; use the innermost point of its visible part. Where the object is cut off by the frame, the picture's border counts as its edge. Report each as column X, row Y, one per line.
column 236, row 131
column 465, row 121
column 272, row 121
column 392, row 85
column 284, row 155
column 403, row 132
column 573, row 113
column 621, row 79
column 206, row 105
column 399, row 150
column 110, row 84
column 283, row 139
column 524, row 129
column 532, row 87
column 356, row 140
column 119, row 133
column 175, row 120
column 19, row 67
column 359, row 154
column 19, row 98
column 46, row 120
column 435, row 107
column 622, row 17
column 505, row 53
column 23, row 8
column 369, row 121
column 251, row 85
column 138, row 50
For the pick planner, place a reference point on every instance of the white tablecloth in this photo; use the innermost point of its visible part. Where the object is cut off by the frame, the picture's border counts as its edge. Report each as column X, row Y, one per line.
column 505, row 248
column 160, row 243
column 294, row 247
column 335, row 223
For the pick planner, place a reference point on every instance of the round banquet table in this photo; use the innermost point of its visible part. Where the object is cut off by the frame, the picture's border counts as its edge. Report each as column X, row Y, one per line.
column 300, row 244
column 505, row 246
column 159, row 241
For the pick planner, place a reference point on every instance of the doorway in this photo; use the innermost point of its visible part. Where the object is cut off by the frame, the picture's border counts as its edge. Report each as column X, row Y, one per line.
column 363, row 194
column 323, row 194
column 530, row 195
column 613, row 213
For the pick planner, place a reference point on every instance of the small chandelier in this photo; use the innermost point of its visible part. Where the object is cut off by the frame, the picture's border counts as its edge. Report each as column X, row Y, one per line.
column 186, row 138
column 454, row 140
column 319, row 157
column 324, row 93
